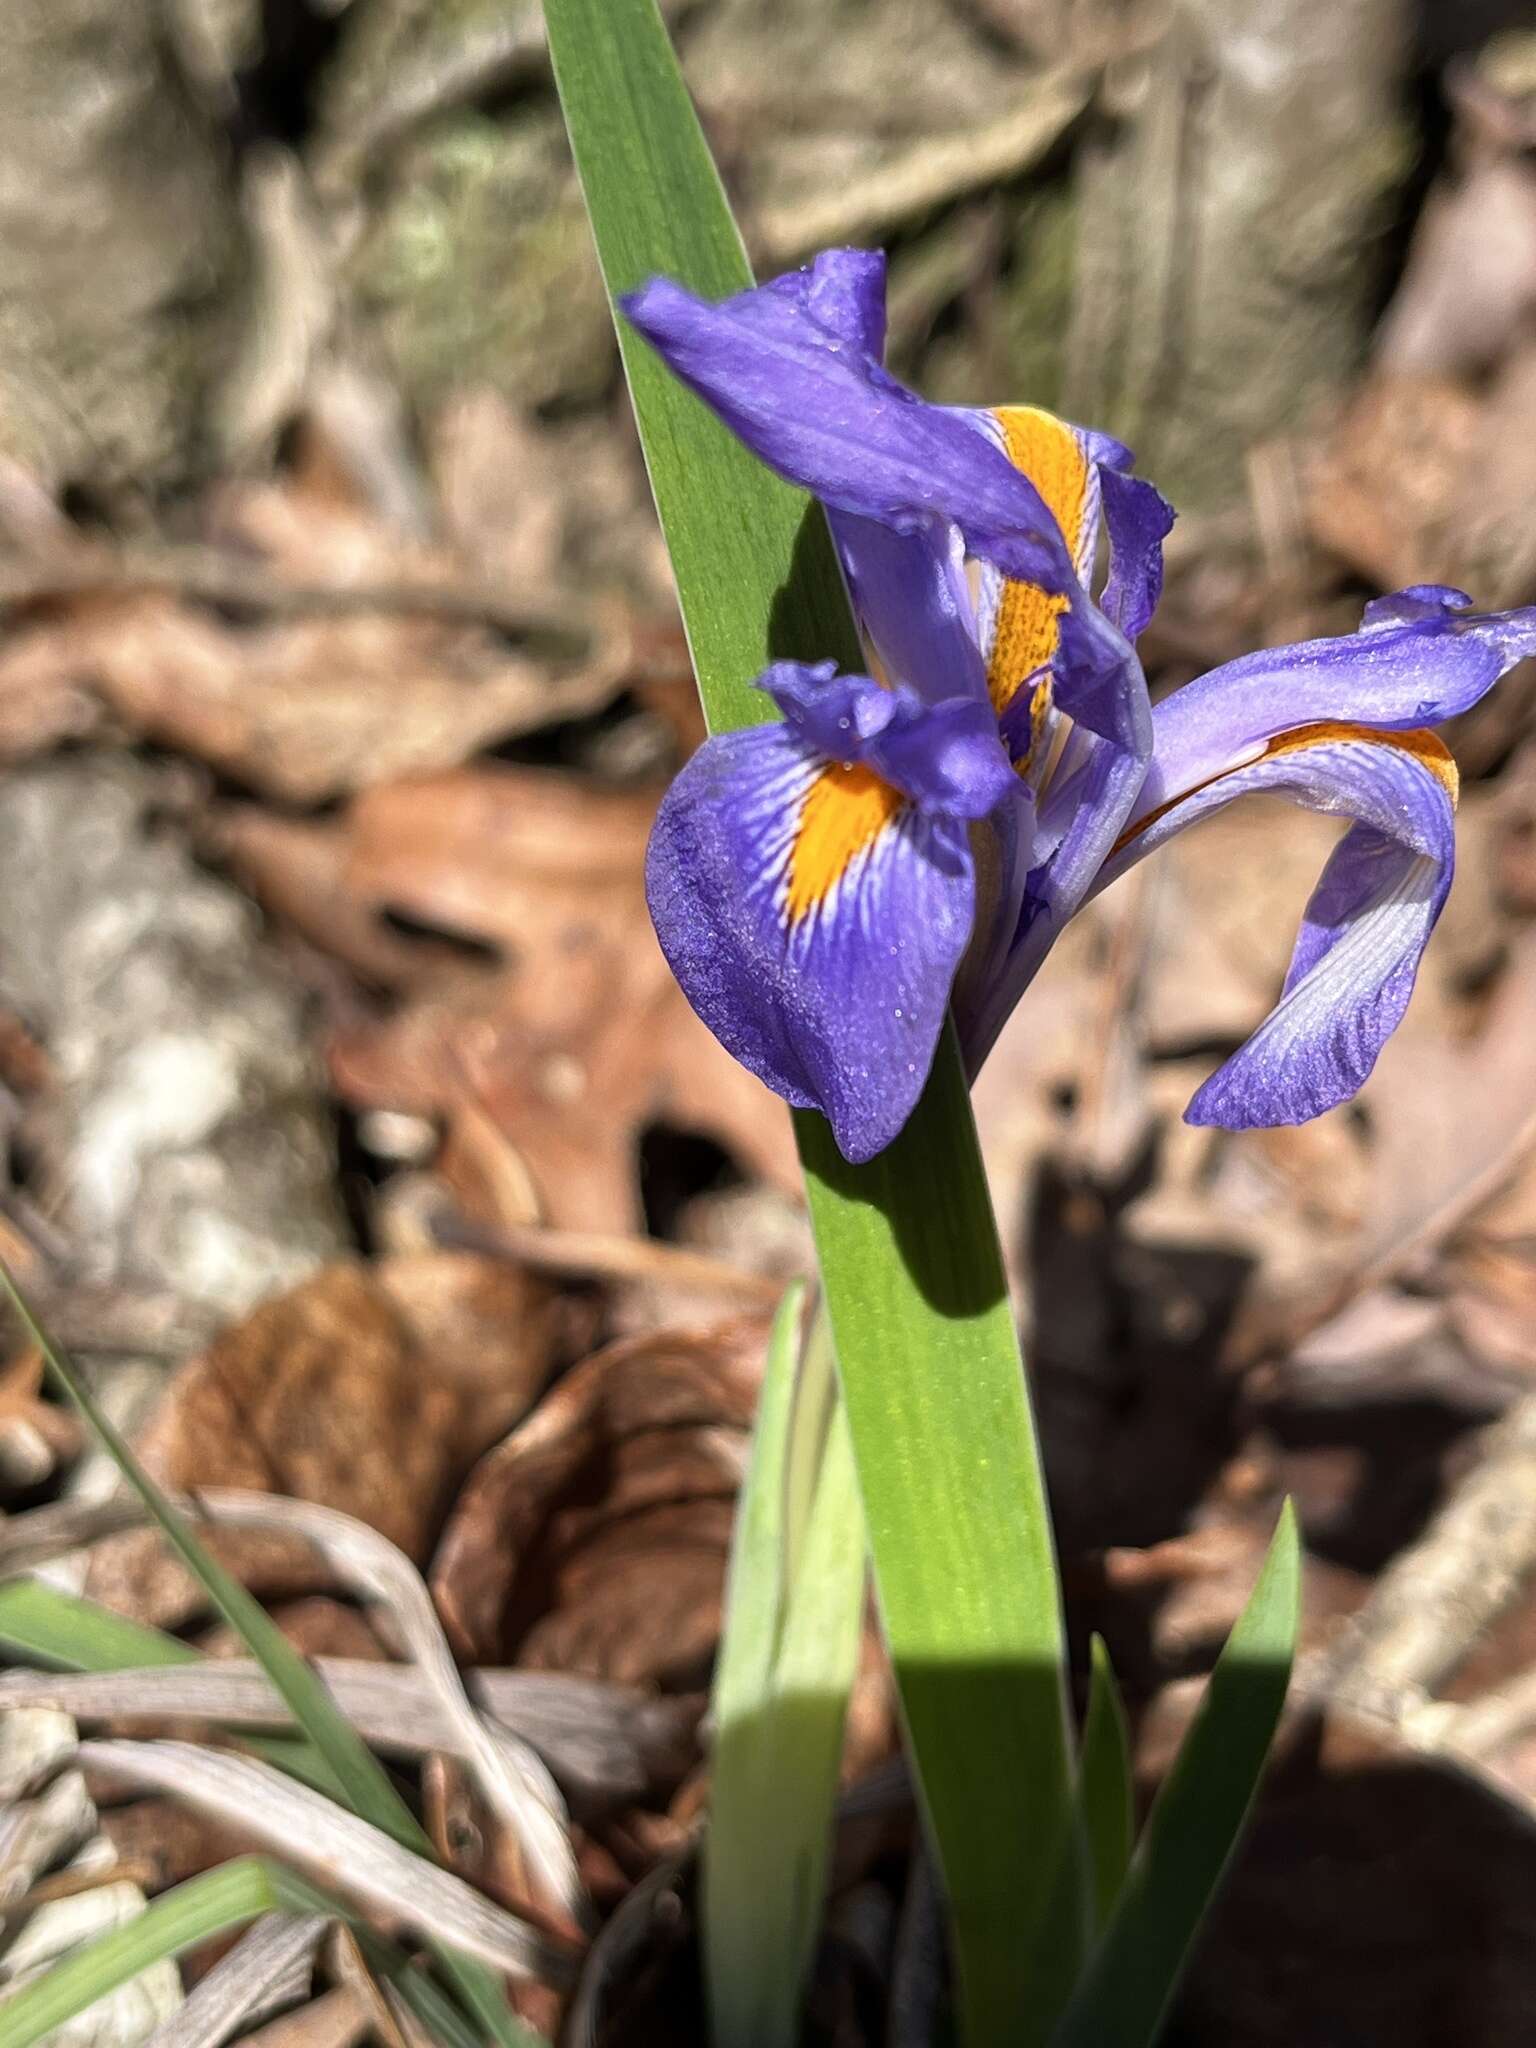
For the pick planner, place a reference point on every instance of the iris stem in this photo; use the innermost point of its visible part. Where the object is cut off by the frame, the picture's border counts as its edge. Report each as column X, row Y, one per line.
column 927, row 1351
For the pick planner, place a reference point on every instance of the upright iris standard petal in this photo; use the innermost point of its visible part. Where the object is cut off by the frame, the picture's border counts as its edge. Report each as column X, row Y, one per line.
column 1365, row 928
column 813, row 887
column 783, row 369
column 1138, row 519
column 910, row 593
column 824, row 413
column 1045, row 651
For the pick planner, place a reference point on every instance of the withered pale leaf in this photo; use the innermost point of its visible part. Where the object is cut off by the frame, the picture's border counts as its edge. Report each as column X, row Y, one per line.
column 267, row 1969
column 346, row 1854
column 512, row 1777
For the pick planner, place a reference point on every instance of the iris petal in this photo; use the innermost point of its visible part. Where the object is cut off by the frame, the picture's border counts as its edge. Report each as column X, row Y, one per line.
column 1138, row 519
column 813, row 887
column 1365, row 927
column 825, row 414
column 1421, row 657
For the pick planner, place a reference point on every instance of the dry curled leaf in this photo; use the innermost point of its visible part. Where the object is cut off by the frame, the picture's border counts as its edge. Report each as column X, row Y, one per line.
column 593, row 1540
column 369, row 1390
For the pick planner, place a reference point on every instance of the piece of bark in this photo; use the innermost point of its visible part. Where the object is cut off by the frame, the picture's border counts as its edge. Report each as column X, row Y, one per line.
column 1238, row 178
column 185, row 1146
column 120, row 243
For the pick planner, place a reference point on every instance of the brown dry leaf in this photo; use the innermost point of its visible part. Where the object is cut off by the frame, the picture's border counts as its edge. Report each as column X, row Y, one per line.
column 369, row 1390
column 42, row 700
column 594, row 1539
column 476, row 1846
column 303, row 708
column 1384, row 487
column 546, row 1073
column 35, row 1435
column 1430, row 481
column 317, row 1626
column 297, row 869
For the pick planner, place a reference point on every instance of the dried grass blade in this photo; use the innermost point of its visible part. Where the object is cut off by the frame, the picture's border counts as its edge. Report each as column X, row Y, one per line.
column 360, row 1861
column 605, row 1741
column 512, row 1777
column 332, row 1744
column 267, row 1969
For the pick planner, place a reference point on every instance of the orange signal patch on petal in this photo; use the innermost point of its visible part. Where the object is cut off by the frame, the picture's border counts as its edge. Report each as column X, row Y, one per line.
column 1028, row 620
column 1426, row 747
column 845, row 809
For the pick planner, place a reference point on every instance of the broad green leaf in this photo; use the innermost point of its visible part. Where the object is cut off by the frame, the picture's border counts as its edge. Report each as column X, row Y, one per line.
column 356, row 1775
column 1196, row 1819
column 788, row 1653
column 1105, row 1790
column 911, row 1268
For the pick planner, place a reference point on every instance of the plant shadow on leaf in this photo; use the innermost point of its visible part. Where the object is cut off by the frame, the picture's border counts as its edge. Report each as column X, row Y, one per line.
column 937, row 1247
column 808, row 617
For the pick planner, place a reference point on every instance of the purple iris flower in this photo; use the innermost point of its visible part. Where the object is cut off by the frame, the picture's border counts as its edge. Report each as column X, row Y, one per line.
column 826, row 887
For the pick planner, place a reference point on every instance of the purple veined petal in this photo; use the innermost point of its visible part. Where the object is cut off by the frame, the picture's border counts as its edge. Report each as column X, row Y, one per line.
column 1365, row 927
column 821, row 411
column 815, row 905
column 844, row 292
column 1092, row 793
column 909, row 589
column 910, row 593
column 1138, row 519
column 1420, row 658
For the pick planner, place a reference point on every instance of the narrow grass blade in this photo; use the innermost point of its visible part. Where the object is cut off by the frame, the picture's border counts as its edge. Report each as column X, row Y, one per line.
column 193, row 1912
column 54, row 1627
column 42, row 1622
column 788, row 1654
column 1196, row 1820
column 248, row 1888
column 360, row 1779
column 1105, row 1790
column 911, row 1268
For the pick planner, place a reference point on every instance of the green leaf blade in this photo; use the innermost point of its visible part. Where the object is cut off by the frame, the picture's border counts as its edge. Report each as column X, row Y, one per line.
column 657, row 207
column 789, row 1650
column 926, row 1347
column 1196, row 1820
column 193, row 1912
column 1105, row 1789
